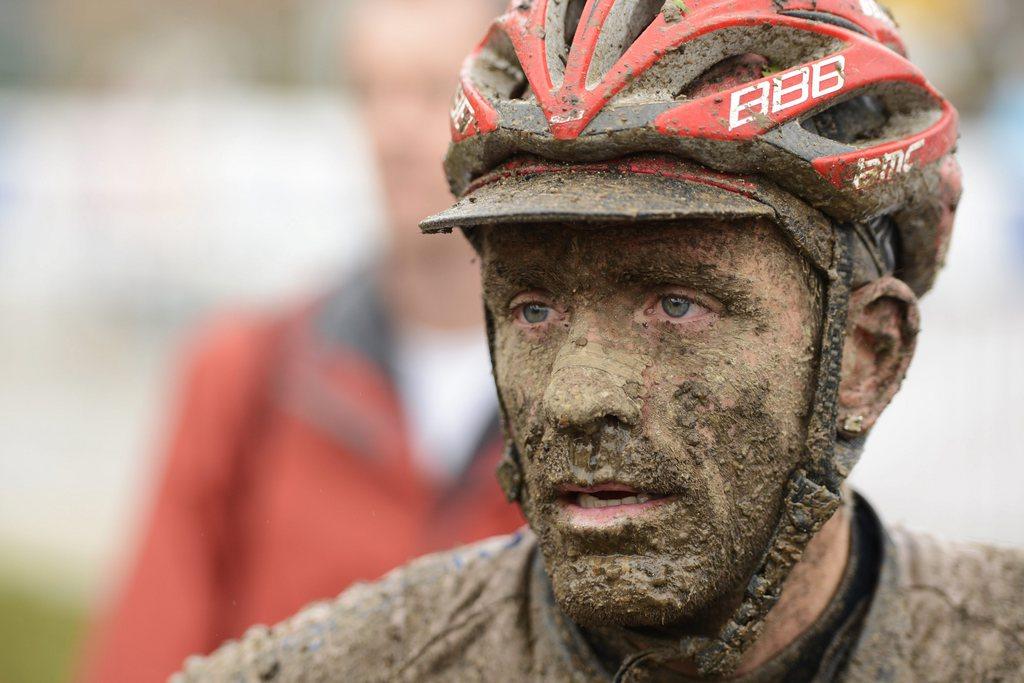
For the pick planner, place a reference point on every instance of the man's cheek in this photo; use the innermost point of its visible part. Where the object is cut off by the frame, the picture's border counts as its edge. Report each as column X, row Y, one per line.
column 522, row 385
column 729, row 429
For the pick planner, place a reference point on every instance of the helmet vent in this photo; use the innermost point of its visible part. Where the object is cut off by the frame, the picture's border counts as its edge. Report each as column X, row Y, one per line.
column 562, row 20
column 519, row 91
column 643, row 15
column 726, row 58
column 728, row 73
column 497, row 71
column 573, row 13
column 857, row 119
column 626, row 21
column 826, row 18
column 880, row 113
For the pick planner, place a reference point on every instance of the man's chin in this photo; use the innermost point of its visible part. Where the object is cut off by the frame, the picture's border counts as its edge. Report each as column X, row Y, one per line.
column 627, row 591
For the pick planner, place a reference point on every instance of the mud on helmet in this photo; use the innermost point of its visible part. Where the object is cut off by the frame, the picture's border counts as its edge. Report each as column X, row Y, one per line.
column 806, row 112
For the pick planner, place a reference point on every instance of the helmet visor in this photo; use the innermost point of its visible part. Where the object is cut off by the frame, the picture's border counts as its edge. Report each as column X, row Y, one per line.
column 637, row 189
column 595, row 197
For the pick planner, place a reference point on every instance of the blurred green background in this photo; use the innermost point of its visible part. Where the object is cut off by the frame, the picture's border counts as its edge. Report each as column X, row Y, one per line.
column 40, row 634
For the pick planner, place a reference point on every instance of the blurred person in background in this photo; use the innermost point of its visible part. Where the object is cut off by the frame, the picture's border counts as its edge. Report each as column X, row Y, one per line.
column 330, row 443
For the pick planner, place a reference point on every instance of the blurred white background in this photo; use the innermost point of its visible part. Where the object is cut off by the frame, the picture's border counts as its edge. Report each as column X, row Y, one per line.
column 124, row 219
column 159, row 163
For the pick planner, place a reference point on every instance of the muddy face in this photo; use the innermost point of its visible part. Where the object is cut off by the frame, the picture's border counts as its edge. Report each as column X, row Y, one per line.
column 657, row 382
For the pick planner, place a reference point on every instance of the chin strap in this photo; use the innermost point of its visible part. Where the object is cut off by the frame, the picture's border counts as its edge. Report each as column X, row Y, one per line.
column 808, row 506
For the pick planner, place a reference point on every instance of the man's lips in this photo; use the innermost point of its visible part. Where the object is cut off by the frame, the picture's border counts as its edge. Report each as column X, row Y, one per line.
column 603, row 504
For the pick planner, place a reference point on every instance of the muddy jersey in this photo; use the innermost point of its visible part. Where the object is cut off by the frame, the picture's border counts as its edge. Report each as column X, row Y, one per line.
column 937, row 611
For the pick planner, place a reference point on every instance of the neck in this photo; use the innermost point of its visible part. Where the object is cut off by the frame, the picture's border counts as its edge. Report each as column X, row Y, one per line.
column 809, row 589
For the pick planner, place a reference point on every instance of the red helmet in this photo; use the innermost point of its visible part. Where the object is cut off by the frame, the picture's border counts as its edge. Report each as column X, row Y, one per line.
column 815, row 96
column 806, row 112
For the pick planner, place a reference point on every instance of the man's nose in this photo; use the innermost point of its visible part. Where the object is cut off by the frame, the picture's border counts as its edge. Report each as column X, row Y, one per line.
column 592, row 384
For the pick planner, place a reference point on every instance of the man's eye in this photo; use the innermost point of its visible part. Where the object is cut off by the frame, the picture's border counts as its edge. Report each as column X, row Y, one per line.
column 535, row 313
column 675, row 306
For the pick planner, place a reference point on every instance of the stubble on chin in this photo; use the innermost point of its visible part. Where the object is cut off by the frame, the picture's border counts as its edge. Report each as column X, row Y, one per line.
column 693, row 558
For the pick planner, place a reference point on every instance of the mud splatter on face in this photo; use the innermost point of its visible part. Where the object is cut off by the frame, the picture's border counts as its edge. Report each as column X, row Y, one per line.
column 656, row 381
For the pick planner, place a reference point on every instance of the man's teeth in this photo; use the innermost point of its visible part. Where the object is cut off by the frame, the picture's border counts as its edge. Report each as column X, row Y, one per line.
column 588, row 501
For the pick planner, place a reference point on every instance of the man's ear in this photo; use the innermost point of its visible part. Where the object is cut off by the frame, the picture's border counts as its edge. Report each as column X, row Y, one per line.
column 881, row 333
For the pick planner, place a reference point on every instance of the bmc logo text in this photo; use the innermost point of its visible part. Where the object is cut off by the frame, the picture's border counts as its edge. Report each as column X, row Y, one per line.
column 883, row 168
column 787, row 90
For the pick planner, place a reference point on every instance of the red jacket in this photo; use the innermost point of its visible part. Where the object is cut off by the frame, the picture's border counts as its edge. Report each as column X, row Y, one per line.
column 289, row 476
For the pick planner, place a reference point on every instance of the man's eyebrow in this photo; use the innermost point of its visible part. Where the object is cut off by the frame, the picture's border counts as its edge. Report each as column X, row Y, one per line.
column 503, row 275
column 685, row 273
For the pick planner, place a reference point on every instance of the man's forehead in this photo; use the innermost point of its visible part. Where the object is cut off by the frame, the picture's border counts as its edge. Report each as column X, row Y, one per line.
column 733, row 261
column 639, row 245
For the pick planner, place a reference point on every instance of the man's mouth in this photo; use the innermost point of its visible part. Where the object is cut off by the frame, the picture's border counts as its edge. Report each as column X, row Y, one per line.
column 605, row 503
column 589, row 502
